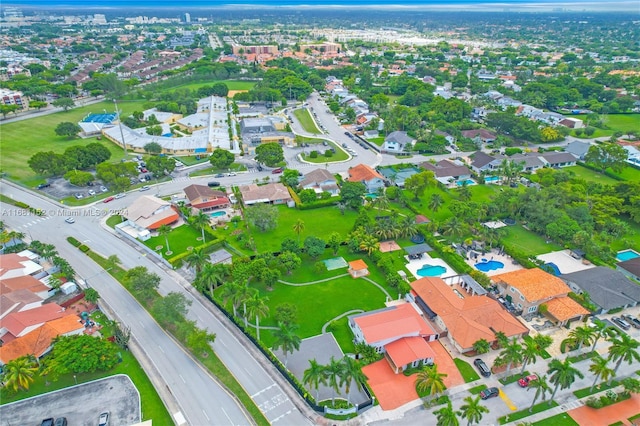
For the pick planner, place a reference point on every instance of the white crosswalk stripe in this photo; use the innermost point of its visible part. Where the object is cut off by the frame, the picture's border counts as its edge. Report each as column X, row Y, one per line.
column 181, row 179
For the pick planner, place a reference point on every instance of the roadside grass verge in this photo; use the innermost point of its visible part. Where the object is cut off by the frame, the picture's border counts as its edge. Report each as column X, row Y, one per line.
column 538, row 408
column 513, row 378
column 477, row 389
column 304, row 117
column 581, row 393
column 466, row 370
column 562, row 419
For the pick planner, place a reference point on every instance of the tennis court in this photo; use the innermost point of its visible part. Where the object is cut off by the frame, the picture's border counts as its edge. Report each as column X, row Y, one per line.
column 335, row 263
column 100, row 118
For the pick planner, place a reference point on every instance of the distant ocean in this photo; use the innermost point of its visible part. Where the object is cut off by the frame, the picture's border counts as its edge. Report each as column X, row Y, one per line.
column 302, row 3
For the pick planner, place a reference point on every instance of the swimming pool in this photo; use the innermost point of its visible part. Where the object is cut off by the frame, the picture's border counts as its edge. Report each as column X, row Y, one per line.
column 489, row 265
column 217, row 214
column 627, row 255
column 492, row 178
column 465, row 181
column 431, row 270
column 550, row 266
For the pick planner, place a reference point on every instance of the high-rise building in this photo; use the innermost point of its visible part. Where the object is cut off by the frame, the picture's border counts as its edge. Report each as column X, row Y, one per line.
column 187, row 18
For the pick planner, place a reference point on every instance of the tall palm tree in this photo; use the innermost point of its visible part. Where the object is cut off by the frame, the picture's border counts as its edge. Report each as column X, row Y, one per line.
column 229, row 292
column 164, row 231
column 481, row 346
column 209, row 277
column 314, row 376
column 623, row 348
column 543, row 341
column 287, row 339
column 472, row 410
column 200, row 221
column 408, row 226
column 430, row 380
column 196, row 260
column 464, row 193
column 581, row 335
column 502, row 339
column 600, row 368
column 48, row 251
column 435, row 202
column 563, row 374
column 18, row 373
column 334, row 374
column 351, row 372
column 600, row 328
column 447, row 416
column 369, row 244
column 257, row 307
column 453, row 226
column 511, row 354
column 245, row 294
column 530, row 352
column 541, row 386
column 298, row 227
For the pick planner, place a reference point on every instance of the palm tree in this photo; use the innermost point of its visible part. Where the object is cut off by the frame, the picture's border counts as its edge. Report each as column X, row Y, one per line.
column 623, row 348
column 164, row 231
column 447, row 416
column 314, row 376
column 543, row 341
column 257, row 307
column 563, row 374
column 200, row 221
column 541, row 386
column 581, row 335
column 351, row 371
column 243, row 296
column 501, row 338
column 196, row 260
column 430, row 380
column 18, row 373
column 599, row 328
column 472, row 410
column 209, row 277
column 530, row 353
column 230, row 292
column 481, row 346
column 48, row 251
column 435, row 202
column 369, row 244
column 287, row 339
column 408, row 226
column 334, row 374
column 600, row 368
column 453, row 226
column 631, row 385
column 511, row 354
column 298, row 227
column 464, row 193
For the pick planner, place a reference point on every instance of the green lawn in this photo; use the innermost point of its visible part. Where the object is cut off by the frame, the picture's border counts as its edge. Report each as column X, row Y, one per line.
column 190, row 160
column 562, row 419
column 319, row 303
column 231, row 84
column 542, row 406
column 528, row 241
column 513, row 378
column 466, row 370
column 378, row 141
column 18, row 145
column 340, row 154
column 477, row 389
column 179, row 239
column 629, row 173
column 304, row 117
column 622, row 122
column 590, row 175
column 318, row 222
column 581, row 393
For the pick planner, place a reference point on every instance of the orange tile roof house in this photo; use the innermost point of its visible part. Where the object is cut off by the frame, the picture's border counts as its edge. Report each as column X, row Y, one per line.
column 26, row 282
column 204, row 198
column 365, row 174
column 465, row 317
column 358, row 268
column 14, row 265
column 18, row 324
column 527, row 289
column 39, row 341
column 149, row 213
column 400, row 332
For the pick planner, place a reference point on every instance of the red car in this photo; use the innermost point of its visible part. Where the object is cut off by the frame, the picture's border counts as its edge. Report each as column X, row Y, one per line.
column 106, row 200
column 276, row 171
column 524, row 382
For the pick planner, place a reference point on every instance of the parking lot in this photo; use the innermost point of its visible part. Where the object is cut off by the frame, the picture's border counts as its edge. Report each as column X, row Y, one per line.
column 81, row 404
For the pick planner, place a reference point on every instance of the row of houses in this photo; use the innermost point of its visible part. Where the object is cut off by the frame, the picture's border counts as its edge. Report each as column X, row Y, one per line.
column 364, row 116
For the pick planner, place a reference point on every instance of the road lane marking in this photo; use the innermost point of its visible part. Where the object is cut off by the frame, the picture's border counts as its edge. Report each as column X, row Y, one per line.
column 281, row 416
column 141, row 324
column 161, row 350
column 183, row 380
column 263, row 390
column 225, row 413
column 205, row 414
column 506, row 400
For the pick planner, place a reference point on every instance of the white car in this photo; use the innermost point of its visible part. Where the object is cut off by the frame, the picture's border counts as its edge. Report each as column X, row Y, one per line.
column 104, row 419
column 92, row 192
column 231, row 174
column 104, row 189
column 120, row 195
column 145, row 188
column 70, row 220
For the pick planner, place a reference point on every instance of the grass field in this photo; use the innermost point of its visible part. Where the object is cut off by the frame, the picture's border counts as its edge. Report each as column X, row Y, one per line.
column 231, row 84
column 466, row 370
column 527, row 241
column 562, row 419
column 590, row 175
column 340, row 155
column 179, row 239
column 378, row 141
column 21, row 139
column 622, row 122
column 304, row 117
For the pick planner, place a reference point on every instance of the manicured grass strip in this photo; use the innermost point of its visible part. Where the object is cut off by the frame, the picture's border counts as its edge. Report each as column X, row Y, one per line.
column 339, row 155
column 543, row 406
column 466, row 370
column 632, row 418
column 513, row 378
column 211, row 361
column 562, row 419
column 582, row 357
column 477, row 389
column 581, row 393
column 304, row 117
column 112, row 221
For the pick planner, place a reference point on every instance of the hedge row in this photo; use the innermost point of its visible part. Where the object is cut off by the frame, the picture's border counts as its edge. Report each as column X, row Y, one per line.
column 320, row 203
column 176, row 260
column 519, row 256
column 74, row 242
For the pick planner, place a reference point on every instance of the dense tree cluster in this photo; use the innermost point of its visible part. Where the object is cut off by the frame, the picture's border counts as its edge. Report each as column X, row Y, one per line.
column 75, row 157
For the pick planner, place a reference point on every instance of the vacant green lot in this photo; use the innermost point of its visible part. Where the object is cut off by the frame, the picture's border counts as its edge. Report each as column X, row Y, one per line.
column 317, row 222
column 304, row 117
column 527, row 241
column 622, row 122
column 231, row 84
column 590, row 175
column 21, row 139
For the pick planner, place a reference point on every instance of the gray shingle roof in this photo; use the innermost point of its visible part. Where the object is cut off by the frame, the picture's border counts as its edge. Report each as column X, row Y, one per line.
column 607, row 288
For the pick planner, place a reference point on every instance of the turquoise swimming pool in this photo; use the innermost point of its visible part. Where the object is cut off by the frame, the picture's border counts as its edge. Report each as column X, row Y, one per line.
column 490, row 179
column 465, row 182
column 627, row 255
column 217, row 214
column 431, row 271
column 489, row 265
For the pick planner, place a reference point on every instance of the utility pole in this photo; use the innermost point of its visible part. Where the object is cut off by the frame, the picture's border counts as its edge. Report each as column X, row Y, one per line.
column 124, row 144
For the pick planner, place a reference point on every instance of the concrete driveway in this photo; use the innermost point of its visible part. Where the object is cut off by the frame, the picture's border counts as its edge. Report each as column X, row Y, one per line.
column 81, row 404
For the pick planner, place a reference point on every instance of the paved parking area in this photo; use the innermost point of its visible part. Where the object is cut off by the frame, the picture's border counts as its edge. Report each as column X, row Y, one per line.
column 81, row 404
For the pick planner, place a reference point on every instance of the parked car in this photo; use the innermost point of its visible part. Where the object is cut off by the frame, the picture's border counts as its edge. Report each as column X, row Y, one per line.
column 213, row 184
column 79, row 196
column 120, row 195
column 70, row 220
column 60, row 421
column 145, row 188
column 47, row 422
column 43, row 185
column 104, row 189
column 92, row 192
column 108, row 199
column 143, row 170
column 219, row 175
column 276, row 171
column 231, row 174
column 621, row 323
column 482, row 367
column 104, row 419
column 635, row 322
column 524, row 382
column 489, row 393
